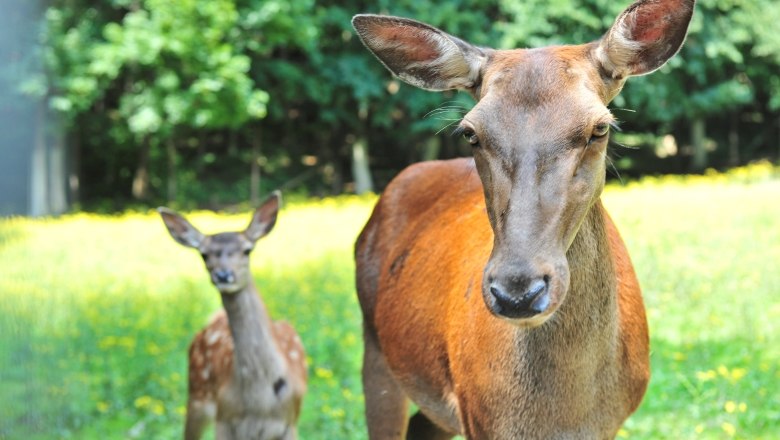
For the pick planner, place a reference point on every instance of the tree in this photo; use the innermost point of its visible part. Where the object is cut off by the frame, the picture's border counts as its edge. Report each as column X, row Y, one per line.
column 158, row 71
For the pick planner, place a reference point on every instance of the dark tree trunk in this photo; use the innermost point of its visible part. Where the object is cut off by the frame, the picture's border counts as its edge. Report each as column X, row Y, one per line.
column 254, row 168
column 74, row 167
column 734, row 140
column 170, row 150
column 698, row 143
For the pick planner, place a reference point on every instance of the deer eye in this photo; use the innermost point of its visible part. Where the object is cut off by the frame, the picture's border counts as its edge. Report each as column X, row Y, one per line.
column 247, row 251
column 205, row 256
column 470, row 136
column 600, row 130
column 468, row 133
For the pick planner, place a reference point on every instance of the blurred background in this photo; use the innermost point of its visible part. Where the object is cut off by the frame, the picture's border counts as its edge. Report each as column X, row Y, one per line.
column 111, row 108
column 204, row 103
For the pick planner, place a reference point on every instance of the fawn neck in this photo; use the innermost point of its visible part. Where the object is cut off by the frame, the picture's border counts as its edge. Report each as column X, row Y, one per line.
column 255, row 356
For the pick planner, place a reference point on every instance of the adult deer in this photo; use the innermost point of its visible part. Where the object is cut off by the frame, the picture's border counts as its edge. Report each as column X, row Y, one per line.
column 244, row 368
column 527, row 322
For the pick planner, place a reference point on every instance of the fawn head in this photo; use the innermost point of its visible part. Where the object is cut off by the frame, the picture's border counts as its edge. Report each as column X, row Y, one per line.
column 538, row 132
column 226, row 254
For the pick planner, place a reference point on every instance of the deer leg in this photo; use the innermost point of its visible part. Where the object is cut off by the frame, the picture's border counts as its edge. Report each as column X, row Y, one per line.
column 386, row 404
column 199, row 414
column 422, row 428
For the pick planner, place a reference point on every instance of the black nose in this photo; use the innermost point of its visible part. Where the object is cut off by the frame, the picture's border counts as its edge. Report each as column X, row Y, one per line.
column 521, row 298
column 223, row 276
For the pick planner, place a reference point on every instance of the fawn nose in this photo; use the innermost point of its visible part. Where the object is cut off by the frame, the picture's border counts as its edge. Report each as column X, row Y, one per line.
column 223, row 276
column 520, row 297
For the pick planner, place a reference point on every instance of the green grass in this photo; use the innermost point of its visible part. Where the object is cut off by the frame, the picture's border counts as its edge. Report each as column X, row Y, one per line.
column 98, row 311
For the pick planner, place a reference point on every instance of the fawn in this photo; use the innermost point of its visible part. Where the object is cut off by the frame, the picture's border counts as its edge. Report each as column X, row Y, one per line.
column 245, row 370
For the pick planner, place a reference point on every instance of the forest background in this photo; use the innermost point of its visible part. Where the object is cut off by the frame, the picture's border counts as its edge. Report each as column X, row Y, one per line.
column 208, row 103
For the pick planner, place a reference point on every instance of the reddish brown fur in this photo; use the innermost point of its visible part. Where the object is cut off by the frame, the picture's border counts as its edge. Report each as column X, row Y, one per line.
column 424, row 288
column 497, row 293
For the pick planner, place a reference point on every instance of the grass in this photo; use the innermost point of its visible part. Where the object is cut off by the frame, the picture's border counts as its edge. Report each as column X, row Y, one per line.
column 98, row 312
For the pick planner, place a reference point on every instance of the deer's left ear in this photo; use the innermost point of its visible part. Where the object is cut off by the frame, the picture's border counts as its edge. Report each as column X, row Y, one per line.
column 644, row 37
column 264, row 218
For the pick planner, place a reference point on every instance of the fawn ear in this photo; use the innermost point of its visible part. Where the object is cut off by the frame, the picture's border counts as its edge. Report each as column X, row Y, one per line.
column 264, row 218
column 644, row 37
column 420, row 54
column 180, row 229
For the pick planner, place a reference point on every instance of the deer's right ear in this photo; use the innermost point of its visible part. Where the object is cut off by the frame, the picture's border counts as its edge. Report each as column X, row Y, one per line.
column 419, row 54
column 180, row 229
column 644, row 37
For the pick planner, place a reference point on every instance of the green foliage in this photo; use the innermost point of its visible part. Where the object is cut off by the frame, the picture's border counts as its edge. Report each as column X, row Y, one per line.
column 95, row 336
column 199, row 83
column 177, row 61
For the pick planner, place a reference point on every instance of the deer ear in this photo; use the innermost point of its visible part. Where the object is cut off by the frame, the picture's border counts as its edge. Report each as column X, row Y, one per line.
column 180, row 229
column 264, row 217
column 644, row 37
column 419, row 54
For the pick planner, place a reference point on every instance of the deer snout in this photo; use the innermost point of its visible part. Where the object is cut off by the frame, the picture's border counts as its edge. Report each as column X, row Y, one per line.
column 520, row 297
column 224, row 276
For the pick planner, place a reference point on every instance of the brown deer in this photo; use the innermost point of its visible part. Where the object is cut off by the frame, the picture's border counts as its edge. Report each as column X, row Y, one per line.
column 245, row 370
column 496, row 292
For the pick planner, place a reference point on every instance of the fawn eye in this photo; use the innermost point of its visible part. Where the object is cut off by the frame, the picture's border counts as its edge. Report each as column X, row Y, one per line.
column 247, row 251
column 205, row 256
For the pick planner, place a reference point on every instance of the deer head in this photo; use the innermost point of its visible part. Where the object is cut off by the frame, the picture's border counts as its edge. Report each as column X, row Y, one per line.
column 539, row 133
column 226, row 254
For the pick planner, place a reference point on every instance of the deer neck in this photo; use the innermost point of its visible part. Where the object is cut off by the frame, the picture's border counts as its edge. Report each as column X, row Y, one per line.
column 584, row 331
column 256, row 358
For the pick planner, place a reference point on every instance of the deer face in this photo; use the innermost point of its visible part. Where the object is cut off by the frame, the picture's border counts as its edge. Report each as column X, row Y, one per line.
column 226, row 254
column 539, row 133
column 539, row 136
column 227, row 259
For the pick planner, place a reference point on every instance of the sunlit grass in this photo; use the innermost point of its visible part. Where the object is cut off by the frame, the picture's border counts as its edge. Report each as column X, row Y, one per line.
column 97, row 312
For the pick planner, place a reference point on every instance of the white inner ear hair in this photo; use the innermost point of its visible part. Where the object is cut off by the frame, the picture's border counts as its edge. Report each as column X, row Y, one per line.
column 451, row 69
column 617, row 51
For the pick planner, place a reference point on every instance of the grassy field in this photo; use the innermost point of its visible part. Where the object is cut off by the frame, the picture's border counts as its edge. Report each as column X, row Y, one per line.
column 97, row 312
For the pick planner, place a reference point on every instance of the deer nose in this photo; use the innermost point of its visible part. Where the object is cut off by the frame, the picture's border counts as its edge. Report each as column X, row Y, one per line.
column 521, row 298
column 223, row 276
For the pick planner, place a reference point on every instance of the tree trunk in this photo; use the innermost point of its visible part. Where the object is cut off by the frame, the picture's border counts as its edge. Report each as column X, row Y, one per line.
column 432, row 148
column 698, row 142
column 48, row 194
column 74, row 168
column 141, row 178
column 254, row 169
column 734, row 140
column 360, row 168
column 38, row 199
column 57, row 172
column 232, row 143
column 170, row 150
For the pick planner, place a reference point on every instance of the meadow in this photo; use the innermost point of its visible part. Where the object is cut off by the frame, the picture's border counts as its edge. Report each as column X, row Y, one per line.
column 98, row 311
